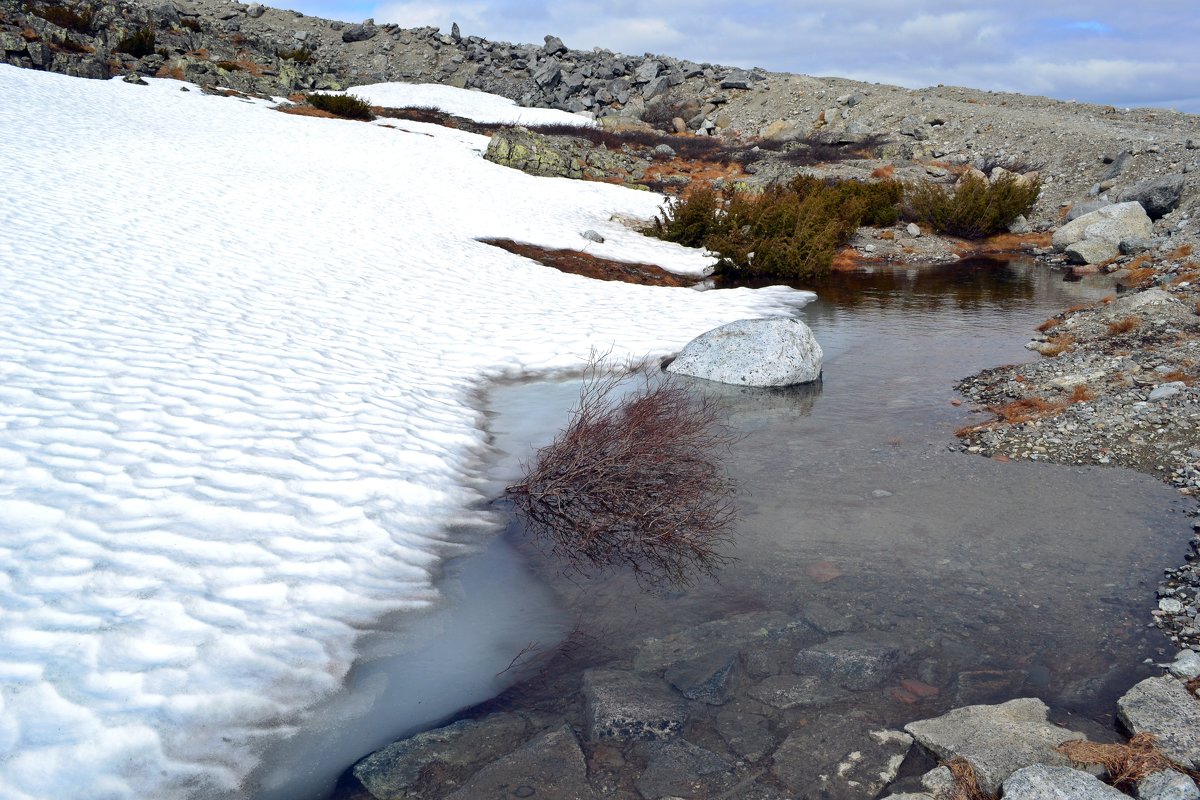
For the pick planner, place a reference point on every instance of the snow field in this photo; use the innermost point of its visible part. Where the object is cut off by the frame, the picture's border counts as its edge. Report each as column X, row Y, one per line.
column 237, row 350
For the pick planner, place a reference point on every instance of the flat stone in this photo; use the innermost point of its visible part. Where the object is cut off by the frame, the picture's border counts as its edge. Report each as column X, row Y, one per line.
column 1167, row 785
column 1092, row 251
column 854, row 661
column 778, row 351
column 681, row 769
column 1164, row 708
column 629, row 705
column 549, row 766
column 1041, row 782
column 839, row 759
column 793, row 691
column 460, row 748
column 997, row 740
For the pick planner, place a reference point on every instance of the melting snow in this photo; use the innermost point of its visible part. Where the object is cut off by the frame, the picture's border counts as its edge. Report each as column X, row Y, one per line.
column 237, row 350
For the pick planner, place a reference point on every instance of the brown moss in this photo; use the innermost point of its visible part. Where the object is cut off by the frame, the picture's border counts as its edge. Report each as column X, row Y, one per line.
column 1053, row 322
column 1026, row 409
column 1057, row 345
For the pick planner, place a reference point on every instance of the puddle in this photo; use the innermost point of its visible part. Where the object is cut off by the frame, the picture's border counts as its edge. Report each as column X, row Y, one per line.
column 857, row 515
column 1003, row 579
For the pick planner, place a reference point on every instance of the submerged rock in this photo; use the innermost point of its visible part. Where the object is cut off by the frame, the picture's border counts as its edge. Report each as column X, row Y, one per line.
column 778, row 351
column 839, row 759
column 854, row 661
column 681, row 769
column 629, row 705
column 551, row 765
column 395, row 771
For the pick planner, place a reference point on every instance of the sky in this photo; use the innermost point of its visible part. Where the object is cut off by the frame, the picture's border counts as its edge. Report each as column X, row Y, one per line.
column 1113, row 52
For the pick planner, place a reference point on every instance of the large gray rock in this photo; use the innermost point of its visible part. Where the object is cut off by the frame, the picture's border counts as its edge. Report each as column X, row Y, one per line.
column 1110, row 223
column 835, row 758
column 359, row 33
column 778, row 351
column 1167, row 785
column 395, row 771
column 551, row 765
column 1040, row 782
column 997, row 740
column 1158, row 196
column 1164, row 708
column 627, row 705
column 854, row 661
column 681, row 769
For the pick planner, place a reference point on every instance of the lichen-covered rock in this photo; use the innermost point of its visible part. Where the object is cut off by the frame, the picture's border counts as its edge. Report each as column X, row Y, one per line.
column 778, row 351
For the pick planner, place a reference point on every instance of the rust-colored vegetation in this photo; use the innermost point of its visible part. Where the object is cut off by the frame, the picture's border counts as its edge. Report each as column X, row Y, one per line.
column 590, row 266
column 1124, row 325
column 1126, row 764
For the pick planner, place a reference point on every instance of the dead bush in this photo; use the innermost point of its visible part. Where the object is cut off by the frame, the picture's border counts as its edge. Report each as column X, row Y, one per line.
column 635, row 482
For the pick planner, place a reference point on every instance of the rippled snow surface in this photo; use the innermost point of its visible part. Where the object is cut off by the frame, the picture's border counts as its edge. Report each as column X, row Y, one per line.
column 237, row 349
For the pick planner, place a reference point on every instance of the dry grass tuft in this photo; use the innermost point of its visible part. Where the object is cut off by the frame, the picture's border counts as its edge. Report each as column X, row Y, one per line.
column 1081, row 394
column 883, row 172
column 966, row 782
column 1026, row 409
column 1125, row 325
column 1183, row 251
column 1057, row 345
column 1126, row 764
column 1139, row 276
column 1053, row 322
column 634, row 482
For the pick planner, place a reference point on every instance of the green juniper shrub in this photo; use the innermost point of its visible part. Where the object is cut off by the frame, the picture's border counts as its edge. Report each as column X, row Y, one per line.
column 975, row 208
column 790, row 231
column 346, row 106
column 138, row 44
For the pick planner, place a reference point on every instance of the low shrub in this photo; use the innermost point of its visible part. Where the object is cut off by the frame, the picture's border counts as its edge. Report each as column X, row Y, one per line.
column 191, row 23
column 80, row 19
column 138, row 44
column 230, row 66
column 790, row 231
column 976, row 208
column 1123, row 325
column 635, row 483
column 346, row 106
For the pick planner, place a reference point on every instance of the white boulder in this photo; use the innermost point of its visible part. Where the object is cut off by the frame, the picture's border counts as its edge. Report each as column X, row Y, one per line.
column 778, row 351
